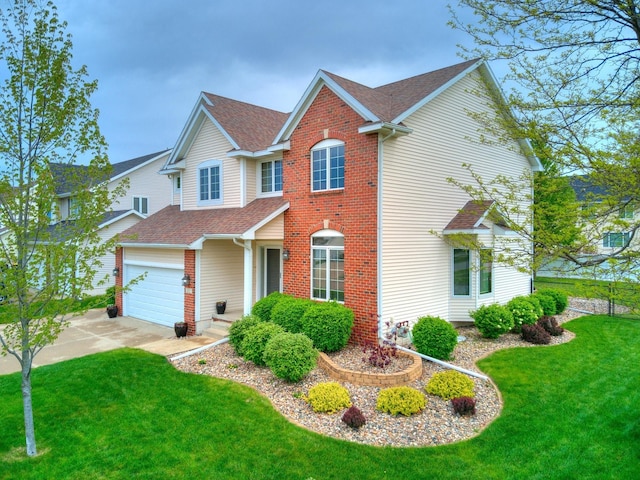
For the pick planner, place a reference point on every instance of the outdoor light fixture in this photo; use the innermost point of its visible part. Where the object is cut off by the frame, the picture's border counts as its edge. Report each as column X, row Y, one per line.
column 186, row 280
column 116, row 272
column 285, row 254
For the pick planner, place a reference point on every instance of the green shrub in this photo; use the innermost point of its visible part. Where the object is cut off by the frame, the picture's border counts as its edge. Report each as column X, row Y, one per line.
column 434, row 337
column 328, row 397
column 328, row 325
column 238, row 330
column 401, row 400
column 262, row 308
column 523, row 312
column 536, row 304
column 547, row 302
column 288, row 312
column 110, row 295
column 290, row 356
column 562, row 301
column 450, row 384
column 255, row 341
column 492, row 320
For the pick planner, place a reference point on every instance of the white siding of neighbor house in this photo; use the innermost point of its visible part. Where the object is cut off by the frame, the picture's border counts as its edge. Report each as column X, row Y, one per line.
column 221, row 277
column 272, row 230
column 154, row 256
column 210, row 144
column 147, row 182
column 416, row 265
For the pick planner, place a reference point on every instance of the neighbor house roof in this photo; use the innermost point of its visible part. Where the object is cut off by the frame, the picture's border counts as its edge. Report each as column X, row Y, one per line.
column 173, row 227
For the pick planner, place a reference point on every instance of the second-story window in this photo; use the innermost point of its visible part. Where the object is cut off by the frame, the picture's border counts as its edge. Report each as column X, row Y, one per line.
column 271, row 177
column 616, row 239
column 210, row 183
column 141, row 205
column 327, row 166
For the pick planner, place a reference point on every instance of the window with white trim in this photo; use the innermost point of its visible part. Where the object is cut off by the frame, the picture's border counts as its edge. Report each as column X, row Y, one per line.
column 210, row 183
column 271, row 176
column 141, row 205
column 327, row 166
column 626, row 211
column 616, row 239
column 327, row 266
column 177, row 183
column 486, row 271
column 461, row 272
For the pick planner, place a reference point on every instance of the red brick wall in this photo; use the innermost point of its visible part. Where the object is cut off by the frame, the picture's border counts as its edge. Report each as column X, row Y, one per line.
column 352, row 211
column 189, row 292
column 119, row 279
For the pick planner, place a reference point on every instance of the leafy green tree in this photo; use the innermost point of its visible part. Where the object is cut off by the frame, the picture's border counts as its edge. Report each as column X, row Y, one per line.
column 46, row 119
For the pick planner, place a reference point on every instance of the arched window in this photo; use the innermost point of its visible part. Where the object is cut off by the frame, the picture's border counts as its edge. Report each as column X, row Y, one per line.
column 327, row 165
column 327, row 265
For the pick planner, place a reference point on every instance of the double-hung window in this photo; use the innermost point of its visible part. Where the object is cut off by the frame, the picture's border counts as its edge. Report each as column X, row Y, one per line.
column 141, row 205
column 626, row 212
column 271, row 177
column 486, row 271
column 327, row 166
column 461, row 272
column 210, row 183
column 327, row 275
column 616, row 239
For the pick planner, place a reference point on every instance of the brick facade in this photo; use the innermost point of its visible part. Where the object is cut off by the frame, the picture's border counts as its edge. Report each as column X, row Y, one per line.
column 189, row 292
column 351, row 211
column 119, row 253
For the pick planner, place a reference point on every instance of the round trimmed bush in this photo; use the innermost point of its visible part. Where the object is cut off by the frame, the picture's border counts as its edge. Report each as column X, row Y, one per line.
column 522, row 311
column 492, row 320
column 255, row 341
column 450, row 384
column 328, row 397
column 328, row 325
column 536, row 305
column 547, row 302
column 562, row 301
column 288, row 313
column 401, row 400
column 262, row 308
column 238, row 330
column 353, row 417
column 434, row 337
column 535, row 334
column 290, row 356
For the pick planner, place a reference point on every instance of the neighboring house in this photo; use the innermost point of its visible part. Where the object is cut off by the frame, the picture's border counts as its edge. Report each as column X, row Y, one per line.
column 148, row 193
column 337, row 200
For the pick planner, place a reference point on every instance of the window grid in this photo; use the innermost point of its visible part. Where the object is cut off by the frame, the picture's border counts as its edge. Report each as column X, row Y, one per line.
column 328, row 268
column 271, row 175
column 210, row 183
column 616, row 239
column 328, row 168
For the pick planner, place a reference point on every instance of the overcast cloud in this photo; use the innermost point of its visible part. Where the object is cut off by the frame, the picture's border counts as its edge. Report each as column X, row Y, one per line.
column 153, row 58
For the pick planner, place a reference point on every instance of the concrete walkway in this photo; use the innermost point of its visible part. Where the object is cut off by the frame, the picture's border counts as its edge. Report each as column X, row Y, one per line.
column 95, row 332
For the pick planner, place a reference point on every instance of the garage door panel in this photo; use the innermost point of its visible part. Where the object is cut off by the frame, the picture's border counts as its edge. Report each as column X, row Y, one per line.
column 157, row 298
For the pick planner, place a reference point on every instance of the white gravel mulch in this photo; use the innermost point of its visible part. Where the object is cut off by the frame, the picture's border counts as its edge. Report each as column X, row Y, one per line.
column 437, row 424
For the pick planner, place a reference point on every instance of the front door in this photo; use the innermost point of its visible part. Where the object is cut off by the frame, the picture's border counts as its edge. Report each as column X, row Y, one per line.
column 272, row 270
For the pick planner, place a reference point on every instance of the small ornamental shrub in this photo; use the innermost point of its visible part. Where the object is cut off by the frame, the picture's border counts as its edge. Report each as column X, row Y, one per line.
column 536, row 304
column 262, row 308
column 550, row 324
column 255, row 341
column 328, row 325
column 401, row 400
column 464, row 405
column 110, row 295
column 353, row 417
column 547, row 302
column 288, row 312
column 562, row 301
column 450, row 384
column 523, row 312
column 535, row 334
column 492, row 320
column 434, row 337
column 238, row 330
column 328, row 397
column 378, row 355
column 290, row 356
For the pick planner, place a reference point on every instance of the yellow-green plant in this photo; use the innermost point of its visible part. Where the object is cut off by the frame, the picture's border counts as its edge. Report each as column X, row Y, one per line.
column 450, row 384
column 328, row 397
column 401, row 400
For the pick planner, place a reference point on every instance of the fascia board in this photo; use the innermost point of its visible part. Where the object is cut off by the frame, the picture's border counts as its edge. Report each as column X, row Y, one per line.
column 251, row 233
column 120, row 217
column 153, row 245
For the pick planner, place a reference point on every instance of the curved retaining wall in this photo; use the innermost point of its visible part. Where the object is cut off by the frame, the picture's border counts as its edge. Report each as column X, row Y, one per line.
column 404, row 377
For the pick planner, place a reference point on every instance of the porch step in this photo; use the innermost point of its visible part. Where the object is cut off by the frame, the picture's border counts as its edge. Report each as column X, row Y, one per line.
column 217, row 330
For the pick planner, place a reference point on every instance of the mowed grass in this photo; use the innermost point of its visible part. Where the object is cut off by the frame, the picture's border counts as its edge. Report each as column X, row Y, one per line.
column 571, row 411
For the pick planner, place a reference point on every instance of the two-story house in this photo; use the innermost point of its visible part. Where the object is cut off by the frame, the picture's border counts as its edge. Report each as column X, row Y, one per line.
column 337, row 200
column 148, row 192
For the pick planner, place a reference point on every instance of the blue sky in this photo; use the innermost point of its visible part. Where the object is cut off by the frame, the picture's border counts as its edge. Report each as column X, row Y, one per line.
column 153, row 58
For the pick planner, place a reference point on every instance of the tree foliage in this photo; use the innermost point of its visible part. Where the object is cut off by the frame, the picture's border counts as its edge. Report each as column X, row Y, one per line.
column 47, row 125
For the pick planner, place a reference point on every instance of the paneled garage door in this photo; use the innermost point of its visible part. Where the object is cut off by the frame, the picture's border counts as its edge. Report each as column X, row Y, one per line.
column 159, row 298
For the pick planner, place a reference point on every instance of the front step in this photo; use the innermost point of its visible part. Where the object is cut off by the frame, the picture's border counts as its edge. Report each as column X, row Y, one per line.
column 217, row 330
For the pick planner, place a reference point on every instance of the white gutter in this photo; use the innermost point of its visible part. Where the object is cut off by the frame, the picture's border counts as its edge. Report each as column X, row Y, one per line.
column 444, row 364
column 199, row 349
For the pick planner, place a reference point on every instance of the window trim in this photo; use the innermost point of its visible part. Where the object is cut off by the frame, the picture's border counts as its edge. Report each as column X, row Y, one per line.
column 140, row 198
column 624, row 236
column 481, row 269
column 327, row 145
column 273, row 192
column 208, row 165
column 326, row 233
column 453, row 274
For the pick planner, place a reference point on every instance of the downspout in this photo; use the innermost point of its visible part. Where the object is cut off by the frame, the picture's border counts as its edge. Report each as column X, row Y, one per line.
column 380, row 312
column 248, row 273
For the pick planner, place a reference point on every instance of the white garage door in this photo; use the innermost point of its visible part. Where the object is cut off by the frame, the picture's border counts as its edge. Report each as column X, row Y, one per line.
column 159, row 298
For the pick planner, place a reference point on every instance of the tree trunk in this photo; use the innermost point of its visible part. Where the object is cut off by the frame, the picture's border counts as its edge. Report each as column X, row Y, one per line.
column 27, row 404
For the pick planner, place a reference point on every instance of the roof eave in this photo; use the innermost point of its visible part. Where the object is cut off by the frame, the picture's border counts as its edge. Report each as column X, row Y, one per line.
column 386, row 128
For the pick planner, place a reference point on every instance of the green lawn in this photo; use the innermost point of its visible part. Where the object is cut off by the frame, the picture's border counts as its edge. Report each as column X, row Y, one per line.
column 8, row 309
column 571, row 411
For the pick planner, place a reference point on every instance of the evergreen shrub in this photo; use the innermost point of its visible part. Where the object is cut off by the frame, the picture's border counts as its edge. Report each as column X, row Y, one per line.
column 290, row 356
column 238, row 330
column 434, row 337
column 562, row 301
column 262, row 308
column 450, row 384
column 492, row 320
column 288, row 312
column 547, row 302
column 255, row 341
column 328, row 325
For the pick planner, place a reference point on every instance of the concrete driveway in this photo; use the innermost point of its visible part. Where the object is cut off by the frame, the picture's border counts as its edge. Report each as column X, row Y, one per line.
column 94, row 332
